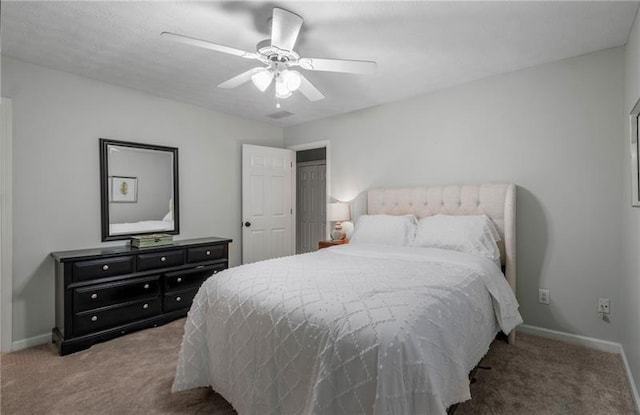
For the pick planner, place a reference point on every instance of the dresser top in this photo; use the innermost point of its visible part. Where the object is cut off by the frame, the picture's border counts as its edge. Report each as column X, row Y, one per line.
column 63, row 256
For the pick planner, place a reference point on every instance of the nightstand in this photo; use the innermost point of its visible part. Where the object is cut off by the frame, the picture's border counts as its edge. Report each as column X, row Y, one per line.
column 326, row 244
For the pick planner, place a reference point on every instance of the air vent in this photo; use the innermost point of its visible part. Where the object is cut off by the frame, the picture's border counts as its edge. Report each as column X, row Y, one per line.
column 280, row 114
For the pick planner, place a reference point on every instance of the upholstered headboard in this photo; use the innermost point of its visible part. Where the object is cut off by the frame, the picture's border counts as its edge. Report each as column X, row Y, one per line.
column 497, row 201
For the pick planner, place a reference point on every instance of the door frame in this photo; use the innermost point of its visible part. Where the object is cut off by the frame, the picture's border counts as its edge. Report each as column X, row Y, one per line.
column 310, row 146
column 6, row 223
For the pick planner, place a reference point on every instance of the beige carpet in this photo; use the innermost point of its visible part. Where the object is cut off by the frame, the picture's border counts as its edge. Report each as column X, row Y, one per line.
column 133, row 375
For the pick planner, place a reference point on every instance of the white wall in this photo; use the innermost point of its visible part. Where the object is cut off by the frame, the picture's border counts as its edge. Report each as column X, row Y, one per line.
column 630, row 283
column 554, row 130
column 58, row 119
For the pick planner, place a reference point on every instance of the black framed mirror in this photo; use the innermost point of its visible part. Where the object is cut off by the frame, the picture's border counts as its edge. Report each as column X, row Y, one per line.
column 138, row 189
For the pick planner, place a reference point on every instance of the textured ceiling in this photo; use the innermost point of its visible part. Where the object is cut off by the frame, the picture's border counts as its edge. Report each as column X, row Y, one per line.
column 419, row 46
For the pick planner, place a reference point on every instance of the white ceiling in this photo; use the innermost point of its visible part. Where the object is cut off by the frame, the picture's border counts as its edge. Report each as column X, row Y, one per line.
column 419, row 46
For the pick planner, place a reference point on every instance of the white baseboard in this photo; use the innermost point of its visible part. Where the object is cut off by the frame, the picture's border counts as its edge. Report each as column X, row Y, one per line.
column 593, row 343
column 590, row 342
column 627, row 368
column 30, row 342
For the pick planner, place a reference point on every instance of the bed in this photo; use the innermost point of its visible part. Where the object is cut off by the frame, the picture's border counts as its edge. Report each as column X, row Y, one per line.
column 362, row 327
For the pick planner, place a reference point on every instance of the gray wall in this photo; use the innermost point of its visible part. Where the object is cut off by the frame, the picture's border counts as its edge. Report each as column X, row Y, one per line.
column 554, row 130
column 154, row 173
column 630, row 284
column 58, row 119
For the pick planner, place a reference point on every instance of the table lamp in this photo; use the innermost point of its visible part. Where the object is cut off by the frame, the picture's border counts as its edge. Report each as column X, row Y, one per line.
column 338, row 212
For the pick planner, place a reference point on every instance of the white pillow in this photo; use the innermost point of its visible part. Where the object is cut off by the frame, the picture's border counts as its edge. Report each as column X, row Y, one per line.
column 385, row 230
column 475, row 235
column 169, row 216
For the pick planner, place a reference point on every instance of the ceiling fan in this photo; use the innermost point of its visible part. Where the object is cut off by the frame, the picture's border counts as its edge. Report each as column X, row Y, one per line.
column 279, row 57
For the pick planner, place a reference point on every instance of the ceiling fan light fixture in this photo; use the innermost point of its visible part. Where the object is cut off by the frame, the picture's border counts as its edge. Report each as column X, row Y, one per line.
column 292, row 80
column 282, row 91
column 262, row 80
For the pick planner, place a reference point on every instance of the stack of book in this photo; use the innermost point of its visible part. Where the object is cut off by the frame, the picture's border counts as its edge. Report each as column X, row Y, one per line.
column 157, row 239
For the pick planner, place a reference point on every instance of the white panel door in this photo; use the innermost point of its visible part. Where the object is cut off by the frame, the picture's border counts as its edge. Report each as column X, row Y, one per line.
column 267, row 203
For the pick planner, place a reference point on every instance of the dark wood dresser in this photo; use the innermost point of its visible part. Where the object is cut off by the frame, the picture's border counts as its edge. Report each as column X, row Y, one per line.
column 103, row 293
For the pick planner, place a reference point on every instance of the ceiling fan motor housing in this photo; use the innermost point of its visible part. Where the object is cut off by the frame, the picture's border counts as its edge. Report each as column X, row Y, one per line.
column 268, row 53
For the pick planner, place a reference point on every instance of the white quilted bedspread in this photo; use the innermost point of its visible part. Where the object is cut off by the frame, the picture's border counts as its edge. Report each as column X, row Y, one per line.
column 346, row 330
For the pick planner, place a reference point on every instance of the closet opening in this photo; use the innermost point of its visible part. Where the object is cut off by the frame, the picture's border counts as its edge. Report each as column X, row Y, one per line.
column 311, row 197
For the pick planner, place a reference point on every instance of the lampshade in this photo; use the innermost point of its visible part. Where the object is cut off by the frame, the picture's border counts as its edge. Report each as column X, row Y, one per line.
column 281, row 88
column 262, row 80
column 292, row 80
column 338, row 212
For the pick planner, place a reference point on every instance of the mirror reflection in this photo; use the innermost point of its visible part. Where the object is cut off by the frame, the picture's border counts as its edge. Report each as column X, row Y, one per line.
column 140, row 186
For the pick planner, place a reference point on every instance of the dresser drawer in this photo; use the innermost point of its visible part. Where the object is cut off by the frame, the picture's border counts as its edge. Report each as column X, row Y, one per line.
column 179, row 300
column 207, row 253
column 181, row 280
column 106, row 318
column 160, row 260
column 101, row 295
column 100, row 268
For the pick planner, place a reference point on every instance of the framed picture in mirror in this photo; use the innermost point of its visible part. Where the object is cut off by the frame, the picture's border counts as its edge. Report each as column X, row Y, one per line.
column 123, row 189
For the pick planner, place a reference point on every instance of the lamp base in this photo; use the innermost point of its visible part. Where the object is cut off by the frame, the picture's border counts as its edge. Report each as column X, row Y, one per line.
column 337, row 235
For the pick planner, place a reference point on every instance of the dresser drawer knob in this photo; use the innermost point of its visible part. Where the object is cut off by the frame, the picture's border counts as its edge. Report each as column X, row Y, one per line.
column 146, row 286
column 178, row 298
column 178, row 279
column 105, row 267
column 94, row 318
column 208, row 252
column 145, row 306
column 164, row 258
column 94, row 296
column 215, row 271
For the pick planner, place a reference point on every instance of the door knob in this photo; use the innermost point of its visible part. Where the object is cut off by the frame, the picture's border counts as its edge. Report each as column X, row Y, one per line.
column 247, row 224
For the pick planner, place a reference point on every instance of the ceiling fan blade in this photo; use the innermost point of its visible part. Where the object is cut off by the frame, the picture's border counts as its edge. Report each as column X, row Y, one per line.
column 208, row 45
column 308, row 90
column 240, row 79
column 338, row 65
column 285, row 27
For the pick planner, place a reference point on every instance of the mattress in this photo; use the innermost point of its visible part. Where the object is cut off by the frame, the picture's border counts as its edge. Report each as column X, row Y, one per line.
column 346, row 330
column 142, row 226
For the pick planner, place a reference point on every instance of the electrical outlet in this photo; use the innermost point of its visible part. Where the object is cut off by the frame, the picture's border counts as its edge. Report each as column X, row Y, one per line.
column 603, row 305
column 543, row 295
